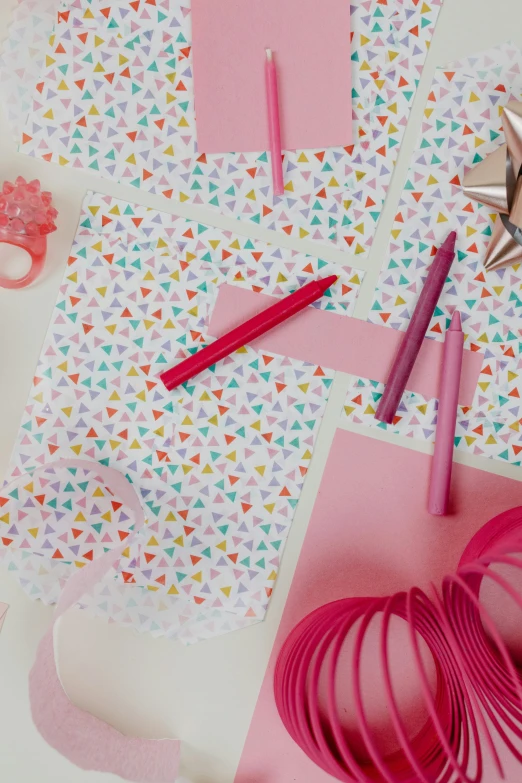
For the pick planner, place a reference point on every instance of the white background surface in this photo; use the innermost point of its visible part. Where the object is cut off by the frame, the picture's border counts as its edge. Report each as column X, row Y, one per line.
column 204, row 694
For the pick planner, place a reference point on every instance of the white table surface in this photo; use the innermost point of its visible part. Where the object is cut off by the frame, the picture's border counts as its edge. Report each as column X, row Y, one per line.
column 204, row 694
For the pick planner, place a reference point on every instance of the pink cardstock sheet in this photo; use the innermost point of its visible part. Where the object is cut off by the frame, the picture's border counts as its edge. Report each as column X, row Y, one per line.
column 310, row 40
column 341, row 343
column 370, row 535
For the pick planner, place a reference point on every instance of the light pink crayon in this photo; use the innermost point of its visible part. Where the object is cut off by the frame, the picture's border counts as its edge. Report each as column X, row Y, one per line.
column 447, row 418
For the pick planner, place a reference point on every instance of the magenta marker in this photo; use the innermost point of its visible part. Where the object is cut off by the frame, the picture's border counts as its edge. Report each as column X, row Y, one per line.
column 447, row 418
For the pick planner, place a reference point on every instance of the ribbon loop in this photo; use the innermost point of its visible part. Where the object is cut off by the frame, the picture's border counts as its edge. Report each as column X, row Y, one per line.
column 497, row 183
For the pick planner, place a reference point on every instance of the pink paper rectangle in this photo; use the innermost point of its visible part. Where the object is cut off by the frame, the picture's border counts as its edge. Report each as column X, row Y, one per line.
column 311, row 44
column 341, row 343
column 370, row 535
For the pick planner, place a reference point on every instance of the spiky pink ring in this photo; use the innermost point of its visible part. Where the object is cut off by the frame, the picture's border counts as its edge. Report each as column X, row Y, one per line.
column 26, row 218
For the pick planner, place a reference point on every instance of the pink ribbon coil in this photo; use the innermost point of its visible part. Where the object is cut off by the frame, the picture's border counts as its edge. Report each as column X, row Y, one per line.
column 477, row 693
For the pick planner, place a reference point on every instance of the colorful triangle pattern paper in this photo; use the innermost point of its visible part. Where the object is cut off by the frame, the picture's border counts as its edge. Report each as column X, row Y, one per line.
column 219, row 464
column 462, row 125
column 23, row 58
column 64, row 516
column 56, row 516
column 404, row 30
column 116, row 97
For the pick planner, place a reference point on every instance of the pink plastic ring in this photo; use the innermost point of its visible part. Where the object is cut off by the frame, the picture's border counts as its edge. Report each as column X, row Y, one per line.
column 37, row 249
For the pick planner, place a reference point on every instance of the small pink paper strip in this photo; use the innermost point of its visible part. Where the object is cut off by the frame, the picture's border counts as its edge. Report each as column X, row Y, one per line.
column 342, row 343
column 85, row 740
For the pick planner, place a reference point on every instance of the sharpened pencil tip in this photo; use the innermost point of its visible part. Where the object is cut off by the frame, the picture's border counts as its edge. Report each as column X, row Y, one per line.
column 268, row 54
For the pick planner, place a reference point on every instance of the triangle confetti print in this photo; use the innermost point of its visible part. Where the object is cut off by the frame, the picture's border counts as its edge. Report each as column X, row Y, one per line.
column 115, row 97
column 462, row 125
column 23, row 58
column 218, row 464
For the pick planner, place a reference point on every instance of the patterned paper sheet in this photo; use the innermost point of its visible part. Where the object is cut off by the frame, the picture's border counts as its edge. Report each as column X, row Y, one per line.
column 116, row 97
column 219, row 463
column 462, row 125
column 404, row 29
column 23, row 58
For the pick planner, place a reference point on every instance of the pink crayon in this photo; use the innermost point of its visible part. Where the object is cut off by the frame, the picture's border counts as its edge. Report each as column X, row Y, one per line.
column 413, row 339
column 447, row 418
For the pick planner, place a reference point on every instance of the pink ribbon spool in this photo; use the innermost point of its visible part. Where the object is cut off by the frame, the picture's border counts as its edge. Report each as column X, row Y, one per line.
column 478, row 684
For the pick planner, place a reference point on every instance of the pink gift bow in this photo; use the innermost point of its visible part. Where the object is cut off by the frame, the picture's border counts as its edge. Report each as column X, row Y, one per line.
column 497, row 182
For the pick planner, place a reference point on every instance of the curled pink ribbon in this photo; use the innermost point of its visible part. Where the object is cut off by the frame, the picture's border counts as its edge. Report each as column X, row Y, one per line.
column 85, row 740
column 478, row 682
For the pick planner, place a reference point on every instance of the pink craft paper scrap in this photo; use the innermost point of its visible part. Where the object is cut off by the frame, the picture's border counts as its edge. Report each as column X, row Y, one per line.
column 85, row 740
column 311, row 44
column 370, row 535
column 341, row 343
column 3, row 612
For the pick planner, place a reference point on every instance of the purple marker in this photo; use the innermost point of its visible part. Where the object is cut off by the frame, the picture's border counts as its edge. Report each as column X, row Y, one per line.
column 420, row 321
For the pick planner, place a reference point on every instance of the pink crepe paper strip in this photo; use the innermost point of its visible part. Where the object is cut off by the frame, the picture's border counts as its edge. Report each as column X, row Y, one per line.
column 341, row 343
column 478, row 681
column 85, row 740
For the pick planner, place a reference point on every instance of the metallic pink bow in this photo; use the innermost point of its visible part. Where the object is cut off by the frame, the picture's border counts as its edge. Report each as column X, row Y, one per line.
column 497, row 182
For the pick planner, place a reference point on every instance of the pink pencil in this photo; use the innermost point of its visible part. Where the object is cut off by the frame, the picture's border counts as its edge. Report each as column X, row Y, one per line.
column 447, row 418
column 274, row 124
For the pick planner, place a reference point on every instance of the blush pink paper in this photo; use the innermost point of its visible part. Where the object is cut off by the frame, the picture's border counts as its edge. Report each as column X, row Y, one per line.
column 85, row 740
column 370, row 534
column 311, row 44
column 341, row 343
